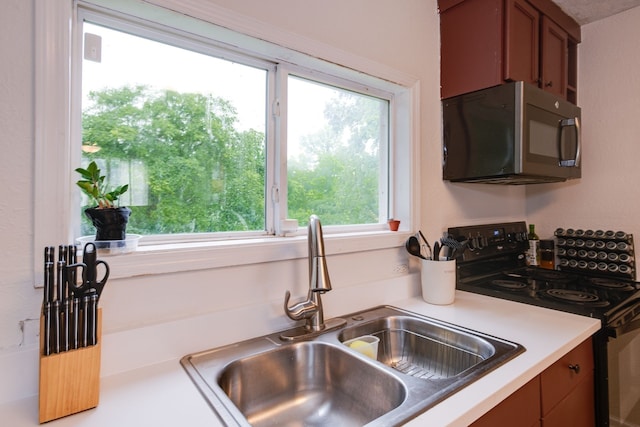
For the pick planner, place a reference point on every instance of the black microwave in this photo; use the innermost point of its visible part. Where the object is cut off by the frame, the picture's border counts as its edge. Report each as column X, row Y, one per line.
column 515, row 133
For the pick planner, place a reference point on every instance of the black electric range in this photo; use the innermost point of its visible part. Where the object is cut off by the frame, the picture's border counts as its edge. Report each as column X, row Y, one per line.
column 494, row 264
column 609, row 299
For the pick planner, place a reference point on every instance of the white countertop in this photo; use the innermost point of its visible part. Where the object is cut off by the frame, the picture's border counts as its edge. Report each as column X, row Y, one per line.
column 163, row 395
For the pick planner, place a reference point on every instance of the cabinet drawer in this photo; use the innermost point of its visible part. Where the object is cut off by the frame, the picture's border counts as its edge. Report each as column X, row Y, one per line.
column 563, row 376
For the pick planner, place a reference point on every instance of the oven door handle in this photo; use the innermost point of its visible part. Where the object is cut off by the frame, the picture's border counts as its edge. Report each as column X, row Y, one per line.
column 620, row 328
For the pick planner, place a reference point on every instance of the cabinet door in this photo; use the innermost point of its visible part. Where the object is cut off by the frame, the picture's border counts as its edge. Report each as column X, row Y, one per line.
column 522, row 47
column 471, row 45
column 522, row 408
column 554, row 58
column 575, row 410
column 561, row 378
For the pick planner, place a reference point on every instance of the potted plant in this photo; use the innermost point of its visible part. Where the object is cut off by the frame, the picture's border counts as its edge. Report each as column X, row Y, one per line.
column 109, row 219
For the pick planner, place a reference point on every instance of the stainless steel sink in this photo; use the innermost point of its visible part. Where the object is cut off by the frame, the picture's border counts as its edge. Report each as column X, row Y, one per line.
column 309, row 383
column 267, row 381
column 425, row 349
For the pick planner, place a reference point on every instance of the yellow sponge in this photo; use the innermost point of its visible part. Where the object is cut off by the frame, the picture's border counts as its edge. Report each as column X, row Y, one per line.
column 363, row 347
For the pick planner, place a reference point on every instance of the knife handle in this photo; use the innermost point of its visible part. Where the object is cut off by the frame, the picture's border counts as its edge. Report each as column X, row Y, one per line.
column 49, row 254
column 46, row 330
column 65, row 325
column 55, row 326
column 49, row 279
column 61, row 276
column 73, row 258
column 74, row 332
column 92, row 322
column 62, row 253
column 84, row 319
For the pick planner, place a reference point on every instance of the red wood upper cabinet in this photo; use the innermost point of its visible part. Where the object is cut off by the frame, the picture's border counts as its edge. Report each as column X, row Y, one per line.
column 471, row 45
column 555, row 48
column 485, row 43
column 522, row 46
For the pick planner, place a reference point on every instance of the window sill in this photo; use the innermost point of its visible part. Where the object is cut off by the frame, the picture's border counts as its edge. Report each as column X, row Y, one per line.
column 172, row 258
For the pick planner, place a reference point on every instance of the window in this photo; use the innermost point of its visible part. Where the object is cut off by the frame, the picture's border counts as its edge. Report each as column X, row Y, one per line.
column 387, row 156
column 186, row 125
column 184, row 129
column 336, row 154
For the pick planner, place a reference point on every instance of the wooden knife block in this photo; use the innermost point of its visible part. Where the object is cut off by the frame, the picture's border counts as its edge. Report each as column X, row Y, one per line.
column 69, row 381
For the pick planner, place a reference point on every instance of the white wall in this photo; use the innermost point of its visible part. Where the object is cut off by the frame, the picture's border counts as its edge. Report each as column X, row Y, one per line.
column 402, row 35
column 17, row 299
column 607, row 196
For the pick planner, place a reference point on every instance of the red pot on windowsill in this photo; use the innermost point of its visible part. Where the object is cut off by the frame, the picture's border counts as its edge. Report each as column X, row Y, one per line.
column 393, row 224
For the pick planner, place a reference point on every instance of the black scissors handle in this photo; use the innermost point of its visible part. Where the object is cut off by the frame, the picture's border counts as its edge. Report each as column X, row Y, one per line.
column 89, row 266
column 89, row 258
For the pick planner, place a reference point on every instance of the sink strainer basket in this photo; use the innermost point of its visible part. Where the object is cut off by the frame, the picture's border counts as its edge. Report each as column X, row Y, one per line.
column 423, row 357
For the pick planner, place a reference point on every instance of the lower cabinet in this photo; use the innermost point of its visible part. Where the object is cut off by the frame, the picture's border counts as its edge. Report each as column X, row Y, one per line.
column 522, row 408
column 562, row 395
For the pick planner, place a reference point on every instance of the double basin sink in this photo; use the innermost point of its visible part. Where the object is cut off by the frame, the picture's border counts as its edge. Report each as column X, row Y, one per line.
column 268, row 381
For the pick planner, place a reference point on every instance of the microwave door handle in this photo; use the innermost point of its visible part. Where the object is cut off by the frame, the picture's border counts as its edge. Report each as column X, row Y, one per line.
column 445, row 155
column 578, row 140
column 575, row 124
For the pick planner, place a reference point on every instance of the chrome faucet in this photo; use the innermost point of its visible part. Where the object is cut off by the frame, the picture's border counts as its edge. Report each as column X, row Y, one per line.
column 311, row 309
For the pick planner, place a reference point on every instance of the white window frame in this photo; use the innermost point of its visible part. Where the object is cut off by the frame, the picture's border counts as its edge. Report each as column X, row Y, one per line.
column 55, row 122
column 184, row 41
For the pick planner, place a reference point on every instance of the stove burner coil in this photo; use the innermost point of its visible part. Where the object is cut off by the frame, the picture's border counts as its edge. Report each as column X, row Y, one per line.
column 573, row 296
column 609, row 283
column 509, row 284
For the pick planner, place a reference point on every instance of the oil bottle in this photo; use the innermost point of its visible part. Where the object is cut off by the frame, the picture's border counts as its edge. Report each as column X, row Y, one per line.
column 533, row 254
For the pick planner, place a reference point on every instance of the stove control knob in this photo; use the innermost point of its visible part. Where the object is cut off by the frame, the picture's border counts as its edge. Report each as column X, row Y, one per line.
column 471, row 245
column 475, row 243
column 514, row 237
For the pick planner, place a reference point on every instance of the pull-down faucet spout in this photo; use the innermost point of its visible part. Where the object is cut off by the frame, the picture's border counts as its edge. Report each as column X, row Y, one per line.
column 318, row 274
column 311, row 310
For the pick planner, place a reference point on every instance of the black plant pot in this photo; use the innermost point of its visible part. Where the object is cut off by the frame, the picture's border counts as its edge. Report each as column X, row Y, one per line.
column 110, row 223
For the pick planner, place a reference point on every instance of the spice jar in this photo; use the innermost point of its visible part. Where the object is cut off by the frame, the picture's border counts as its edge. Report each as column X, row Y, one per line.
column 547, row 254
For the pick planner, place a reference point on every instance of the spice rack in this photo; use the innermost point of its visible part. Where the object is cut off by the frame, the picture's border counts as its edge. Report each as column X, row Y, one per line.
column 598, row 252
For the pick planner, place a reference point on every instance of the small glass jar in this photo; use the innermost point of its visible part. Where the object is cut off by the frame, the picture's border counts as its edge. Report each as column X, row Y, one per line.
column 547, row 254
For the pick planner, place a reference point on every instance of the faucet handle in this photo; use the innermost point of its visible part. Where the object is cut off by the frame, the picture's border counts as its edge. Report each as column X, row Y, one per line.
column 301, row 310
